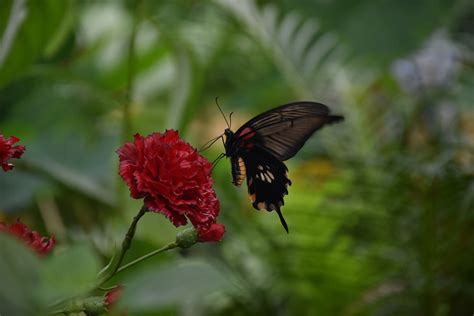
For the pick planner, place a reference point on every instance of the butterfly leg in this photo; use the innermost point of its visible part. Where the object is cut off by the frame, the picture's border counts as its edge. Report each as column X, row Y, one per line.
column 214, row 163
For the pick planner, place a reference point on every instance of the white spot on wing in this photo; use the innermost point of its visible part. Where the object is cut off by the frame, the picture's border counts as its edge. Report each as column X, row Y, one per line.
column 267, row 178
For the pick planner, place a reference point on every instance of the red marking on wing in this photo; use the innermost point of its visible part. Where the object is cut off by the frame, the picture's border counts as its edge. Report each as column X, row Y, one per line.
column 247, row 133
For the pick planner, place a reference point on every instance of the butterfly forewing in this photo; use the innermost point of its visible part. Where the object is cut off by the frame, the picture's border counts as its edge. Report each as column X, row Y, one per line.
column 284, row 130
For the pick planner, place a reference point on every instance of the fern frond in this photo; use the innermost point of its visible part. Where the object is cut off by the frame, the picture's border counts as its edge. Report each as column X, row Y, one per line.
column 296, row 45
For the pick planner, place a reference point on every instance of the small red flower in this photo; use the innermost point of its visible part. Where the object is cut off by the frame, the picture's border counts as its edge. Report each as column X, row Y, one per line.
column 8, row 151
column 113, row 296
column 172, row 177
column 215, row 233
column 41, row 245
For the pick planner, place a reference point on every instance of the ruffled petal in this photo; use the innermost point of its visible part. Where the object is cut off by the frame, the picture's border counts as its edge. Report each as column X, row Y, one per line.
column 172, row 177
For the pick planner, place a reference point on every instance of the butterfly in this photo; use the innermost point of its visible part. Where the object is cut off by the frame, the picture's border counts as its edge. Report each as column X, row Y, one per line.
column 258, row 148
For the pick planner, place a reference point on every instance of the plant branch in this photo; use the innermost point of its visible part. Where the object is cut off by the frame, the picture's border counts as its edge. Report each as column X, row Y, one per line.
column 130, row 234
column 113, row 267
column 149, row 255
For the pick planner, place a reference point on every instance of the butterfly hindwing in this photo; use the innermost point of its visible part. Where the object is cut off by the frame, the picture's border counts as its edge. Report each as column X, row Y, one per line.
column 267, row 181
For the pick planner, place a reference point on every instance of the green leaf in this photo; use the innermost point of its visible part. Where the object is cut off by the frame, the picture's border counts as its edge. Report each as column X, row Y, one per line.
column 30, row 28
column 18, row 275
column 160, row 287
column 59, row 148
column 11, row 197
column 68, row 274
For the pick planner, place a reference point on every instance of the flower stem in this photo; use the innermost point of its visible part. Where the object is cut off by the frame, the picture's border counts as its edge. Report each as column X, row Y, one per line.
column 106, row 289
column 127, row 241
column 112, row 268
column 149, row 255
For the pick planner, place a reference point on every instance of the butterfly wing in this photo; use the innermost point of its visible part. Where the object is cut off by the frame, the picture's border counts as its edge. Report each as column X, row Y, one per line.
column 259, row 147
column 284, row 130
column 267, row 179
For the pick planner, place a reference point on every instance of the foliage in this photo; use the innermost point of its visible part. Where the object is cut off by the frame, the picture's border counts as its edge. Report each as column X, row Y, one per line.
column 381, row 206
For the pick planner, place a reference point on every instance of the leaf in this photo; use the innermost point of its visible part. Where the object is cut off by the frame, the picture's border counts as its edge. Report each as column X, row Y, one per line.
column 68, row 274
column 30, row 28
column 11, row 196
column 74, row 179
column 59, row 148
column 18, row 275
column 160, row 287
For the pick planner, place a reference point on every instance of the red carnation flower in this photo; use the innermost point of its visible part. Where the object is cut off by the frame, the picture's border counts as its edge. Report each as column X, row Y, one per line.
column 214, row 233
column 172, row 177
column 8, row 151
column 41, row 245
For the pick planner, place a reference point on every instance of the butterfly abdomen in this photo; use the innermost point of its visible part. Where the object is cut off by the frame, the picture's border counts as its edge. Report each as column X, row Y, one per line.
column 238, row 171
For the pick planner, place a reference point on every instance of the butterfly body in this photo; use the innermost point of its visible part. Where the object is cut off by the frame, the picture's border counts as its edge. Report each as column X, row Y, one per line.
column 258, row 148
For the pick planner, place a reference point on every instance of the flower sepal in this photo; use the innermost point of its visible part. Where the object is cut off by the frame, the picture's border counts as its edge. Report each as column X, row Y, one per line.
column 94, row 305
column 187, row 237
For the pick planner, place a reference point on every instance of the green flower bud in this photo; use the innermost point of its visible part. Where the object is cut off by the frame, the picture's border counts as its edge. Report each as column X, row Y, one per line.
column 187, row 237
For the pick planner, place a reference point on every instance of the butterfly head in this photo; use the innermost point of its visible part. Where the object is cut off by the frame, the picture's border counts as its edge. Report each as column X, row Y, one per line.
column 228, row 133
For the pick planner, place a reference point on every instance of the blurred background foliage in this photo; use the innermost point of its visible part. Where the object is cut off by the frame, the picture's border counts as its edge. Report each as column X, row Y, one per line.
column 381, row 206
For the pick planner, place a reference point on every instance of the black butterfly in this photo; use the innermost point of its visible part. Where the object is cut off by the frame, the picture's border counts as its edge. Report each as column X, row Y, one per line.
column 259, row 147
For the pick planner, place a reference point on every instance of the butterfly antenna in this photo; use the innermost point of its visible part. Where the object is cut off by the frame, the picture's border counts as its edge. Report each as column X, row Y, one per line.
column 223, row 115
column 230, row 119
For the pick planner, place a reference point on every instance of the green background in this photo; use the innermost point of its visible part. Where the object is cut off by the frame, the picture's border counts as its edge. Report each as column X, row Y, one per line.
column 381, row 207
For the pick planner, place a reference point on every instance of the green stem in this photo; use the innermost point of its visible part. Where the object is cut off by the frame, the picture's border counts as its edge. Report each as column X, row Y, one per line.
column 107, row 289
column 94, row 305
column 127, row 241
column 149, row 255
